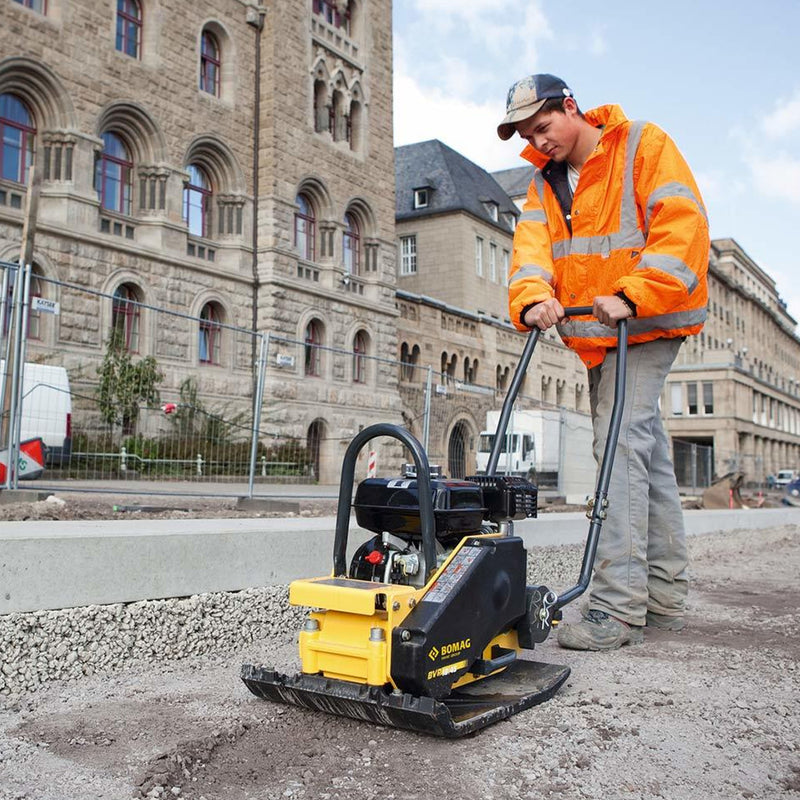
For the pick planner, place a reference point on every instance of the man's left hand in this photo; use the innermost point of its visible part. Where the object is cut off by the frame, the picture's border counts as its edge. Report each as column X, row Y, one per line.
column 610, row 309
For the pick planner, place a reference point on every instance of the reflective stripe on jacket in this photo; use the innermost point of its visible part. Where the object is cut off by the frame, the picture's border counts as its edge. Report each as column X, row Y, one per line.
column 637, row 225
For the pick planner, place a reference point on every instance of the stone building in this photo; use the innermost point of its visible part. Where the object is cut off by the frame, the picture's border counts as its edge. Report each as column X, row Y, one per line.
column 226, row 160
column 732, row 399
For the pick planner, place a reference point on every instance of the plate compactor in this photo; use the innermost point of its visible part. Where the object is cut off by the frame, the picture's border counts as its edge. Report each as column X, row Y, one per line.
column 426, row 628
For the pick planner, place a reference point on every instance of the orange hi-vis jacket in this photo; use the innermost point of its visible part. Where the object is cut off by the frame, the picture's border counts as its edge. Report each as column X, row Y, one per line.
column 636, row 225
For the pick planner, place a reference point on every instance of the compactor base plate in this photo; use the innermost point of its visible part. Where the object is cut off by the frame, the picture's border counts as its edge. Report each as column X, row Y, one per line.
column 522, row 685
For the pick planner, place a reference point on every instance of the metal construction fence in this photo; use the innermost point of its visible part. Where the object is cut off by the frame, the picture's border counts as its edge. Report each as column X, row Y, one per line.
column 122, row 391
column 694, row 464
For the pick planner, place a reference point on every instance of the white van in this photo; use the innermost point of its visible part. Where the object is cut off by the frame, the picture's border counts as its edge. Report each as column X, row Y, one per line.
column 785, row 477
column 46, row 408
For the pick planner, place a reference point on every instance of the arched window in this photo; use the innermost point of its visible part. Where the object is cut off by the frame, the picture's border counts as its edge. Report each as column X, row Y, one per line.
column 113, row 177
column 304, row 228
column 409, row 357
column 129, row 27
column 449, row 365
column 197, row 202
column 210, row 334
column 501, row 378
column 360, row 357
column 125, row 317
column 470, row 370
column 210, row 64
column 313, row 354
column 17, row 136
column 351, row 245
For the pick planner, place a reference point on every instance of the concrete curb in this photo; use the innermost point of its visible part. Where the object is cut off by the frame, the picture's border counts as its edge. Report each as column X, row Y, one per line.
column 65, row 564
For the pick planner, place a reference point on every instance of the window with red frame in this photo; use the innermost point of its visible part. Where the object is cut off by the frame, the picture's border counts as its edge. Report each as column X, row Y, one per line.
column 129, row 27
column 197, row 202
column 351, row 245
column 304, row 228
column 330, row 13
column 360, row 358
column 17, row 135
column 35, row 5
column 313, row 354
column 125, row 318
column 210, row 334
column 210, row 64
column 113, row 178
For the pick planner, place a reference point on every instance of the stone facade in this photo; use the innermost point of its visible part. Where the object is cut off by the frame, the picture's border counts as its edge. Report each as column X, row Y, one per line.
column 736, row 387
column 257, row 133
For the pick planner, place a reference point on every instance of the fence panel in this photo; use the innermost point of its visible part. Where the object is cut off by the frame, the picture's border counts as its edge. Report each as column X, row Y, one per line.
column 694, row 464
column 108, row 411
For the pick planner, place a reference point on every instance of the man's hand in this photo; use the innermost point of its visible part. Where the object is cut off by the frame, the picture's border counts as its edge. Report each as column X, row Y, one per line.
column 610, row 309
column 544, row 315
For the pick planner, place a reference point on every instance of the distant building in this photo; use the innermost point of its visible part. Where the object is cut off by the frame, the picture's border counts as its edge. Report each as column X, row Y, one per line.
column 732, row 399
column 455, row 226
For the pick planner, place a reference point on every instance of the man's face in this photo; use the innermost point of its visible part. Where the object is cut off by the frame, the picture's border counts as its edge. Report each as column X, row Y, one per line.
column 552, row 133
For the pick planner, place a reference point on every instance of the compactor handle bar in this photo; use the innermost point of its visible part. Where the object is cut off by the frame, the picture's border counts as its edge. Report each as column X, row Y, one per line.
column 516, row 382
column 426, row 517
column 598, row 511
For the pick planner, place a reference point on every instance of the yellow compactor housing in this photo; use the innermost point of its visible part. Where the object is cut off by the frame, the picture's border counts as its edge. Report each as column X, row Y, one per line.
column 458, row 628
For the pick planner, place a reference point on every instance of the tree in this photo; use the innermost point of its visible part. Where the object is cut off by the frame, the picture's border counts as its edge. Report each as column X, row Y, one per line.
column 125, row 385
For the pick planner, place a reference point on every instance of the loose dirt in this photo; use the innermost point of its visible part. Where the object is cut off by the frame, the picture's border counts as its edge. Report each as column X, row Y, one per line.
column 75, row 505
column 710, row 712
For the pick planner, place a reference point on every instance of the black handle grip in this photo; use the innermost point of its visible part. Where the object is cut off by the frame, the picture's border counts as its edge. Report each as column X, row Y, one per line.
column 426, row 516
column 578, row 311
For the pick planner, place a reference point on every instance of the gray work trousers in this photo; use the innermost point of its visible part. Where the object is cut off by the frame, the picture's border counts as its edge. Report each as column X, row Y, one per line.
column 641, row 563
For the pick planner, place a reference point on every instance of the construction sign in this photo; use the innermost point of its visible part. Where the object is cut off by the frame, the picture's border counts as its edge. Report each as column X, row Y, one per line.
column 31, row 460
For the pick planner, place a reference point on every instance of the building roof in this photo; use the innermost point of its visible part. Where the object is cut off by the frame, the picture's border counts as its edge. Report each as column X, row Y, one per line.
column 515, row 181
column 455, row 183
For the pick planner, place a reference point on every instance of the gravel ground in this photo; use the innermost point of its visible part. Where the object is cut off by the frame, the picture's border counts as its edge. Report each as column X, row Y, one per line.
column 711, row 712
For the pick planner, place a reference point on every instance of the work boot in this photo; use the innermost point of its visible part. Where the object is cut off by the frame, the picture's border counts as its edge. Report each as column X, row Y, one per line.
column 599, row 631
column 665, row 622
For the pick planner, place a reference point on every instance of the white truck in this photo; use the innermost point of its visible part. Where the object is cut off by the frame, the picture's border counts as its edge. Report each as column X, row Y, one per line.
column 531, row 443
column 539, row 444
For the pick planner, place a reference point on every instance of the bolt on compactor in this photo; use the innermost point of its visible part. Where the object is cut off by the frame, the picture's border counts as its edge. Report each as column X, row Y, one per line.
column 426, row 628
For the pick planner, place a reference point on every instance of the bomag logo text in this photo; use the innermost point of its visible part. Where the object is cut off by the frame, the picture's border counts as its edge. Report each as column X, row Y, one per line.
column 450, row 649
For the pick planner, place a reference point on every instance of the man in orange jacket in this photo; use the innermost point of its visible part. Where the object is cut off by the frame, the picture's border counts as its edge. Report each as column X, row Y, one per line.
column 614, row 220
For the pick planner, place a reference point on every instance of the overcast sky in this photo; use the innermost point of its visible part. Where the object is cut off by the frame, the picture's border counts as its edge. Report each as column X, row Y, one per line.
column 722, row 78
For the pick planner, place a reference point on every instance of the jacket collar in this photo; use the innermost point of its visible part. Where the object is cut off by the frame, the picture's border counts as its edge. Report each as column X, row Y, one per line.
column 609, row 117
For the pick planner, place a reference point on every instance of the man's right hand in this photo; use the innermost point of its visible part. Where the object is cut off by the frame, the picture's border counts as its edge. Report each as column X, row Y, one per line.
column 544, row 315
